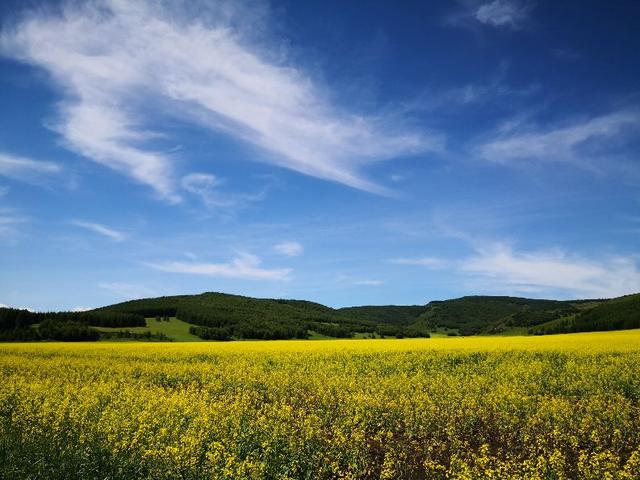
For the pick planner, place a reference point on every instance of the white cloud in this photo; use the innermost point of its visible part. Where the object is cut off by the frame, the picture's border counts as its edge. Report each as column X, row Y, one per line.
column 203, row 186
column 243, row 266
column 566, row 143
column 9, row 222
column 428, row 262
column 289, row 249
column 459, row 99
column 370, row 283
column 26, row 169
column 100, row 229
column 128, row 291
column 119, row 63
column 2, row 305
column 81, row 309
column 502, row 267
column 504, row 13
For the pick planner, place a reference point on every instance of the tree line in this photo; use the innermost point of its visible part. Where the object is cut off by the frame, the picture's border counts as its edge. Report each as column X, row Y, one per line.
column 26, row 326
column 16, row 318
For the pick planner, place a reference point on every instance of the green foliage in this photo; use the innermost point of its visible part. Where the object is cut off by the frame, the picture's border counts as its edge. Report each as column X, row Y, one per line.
column 207, row 333
column 19, row 334
column 617, row 314
column 217, row 316
column 23, row 325
column 129, row 335
column 331, row 330
column 390, row 314
column 171, row 328
column 482, row 314
column 66, row 331
column 11, row 318
column 239, row 317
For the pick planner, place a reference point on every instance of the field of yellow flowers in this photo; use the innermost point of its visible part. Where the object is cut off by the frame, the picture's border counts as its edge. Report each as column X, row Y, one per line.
column 553, row 407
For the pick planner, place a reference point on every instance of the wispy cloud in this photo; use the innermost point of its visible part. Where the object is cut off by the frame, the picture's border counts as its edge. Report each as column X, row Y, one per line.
column 458, row 99
column 480, row 94
column 243, row 266
column 289, row 248
column 497, row 266
column 128, row 290
column 10, row 220
column 504, row 13
column 26, row 169
column 2, row 305
column 81, row 309
column 100, row 229
column 116, row 60
column 428, row 262
column 575, row 142
column 369, row 283
column 503, row 268
column 203, row 185
column 206, row 187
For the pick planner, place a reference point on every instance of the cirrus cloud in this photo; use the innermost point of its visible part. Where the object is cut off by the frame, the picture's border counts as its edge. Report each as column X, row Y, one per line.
column 502, row 267
column 242, row 266
column 115, row 62
column 27, row 169
column 289, row 248
column 427, row 262
column 504, row 13
column 573, row 142
column 128, row 291
column 100, row 229
column 369, row 283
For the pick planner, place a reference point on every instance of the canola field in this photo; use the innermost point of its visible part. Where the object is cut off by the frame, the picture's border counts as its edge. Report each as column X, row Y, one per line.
column 554, row 407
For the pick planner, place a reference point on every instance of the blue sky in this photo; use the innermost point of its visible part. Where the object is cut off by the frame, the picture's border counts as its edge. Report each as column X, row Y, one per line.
column 342, row 152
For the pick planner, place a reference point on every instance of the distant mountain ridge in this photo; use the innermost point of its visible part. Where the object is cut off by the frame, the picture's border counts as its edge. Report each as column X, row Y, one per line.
column 220, row 316
column 472, row 315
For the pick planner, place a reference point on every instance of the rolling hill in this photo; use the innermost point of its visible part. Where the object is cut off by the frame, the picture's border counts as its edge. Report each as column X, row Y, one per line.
column 219, row 316
column 616, row 314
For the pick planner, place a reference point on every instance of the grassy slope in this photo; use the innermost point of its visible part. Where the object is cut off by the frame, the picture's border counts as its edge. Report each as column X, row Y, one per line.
column 175, row 329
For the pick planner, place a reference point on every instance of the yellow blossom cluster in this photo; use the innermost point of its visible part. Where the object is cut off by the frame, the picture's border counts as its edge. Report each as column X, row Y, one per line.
column 553, row 407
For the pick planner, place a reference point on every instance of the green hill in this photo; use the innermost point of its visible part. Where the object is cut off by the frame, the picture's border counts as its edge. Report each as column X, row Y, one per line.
column 390, row 314
column 219, row 316
column 222, row 316
column 484, row 314
column 471, row 315
column 617, row 314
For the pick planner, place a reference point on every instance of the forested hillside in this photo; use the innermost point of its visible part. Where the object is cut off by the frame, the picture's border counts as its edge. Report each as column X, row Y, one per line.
column 218, row 316
column 484, row 314
column 616, row 314
column 391, row 314
column 23, row 325
column 221, row 316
